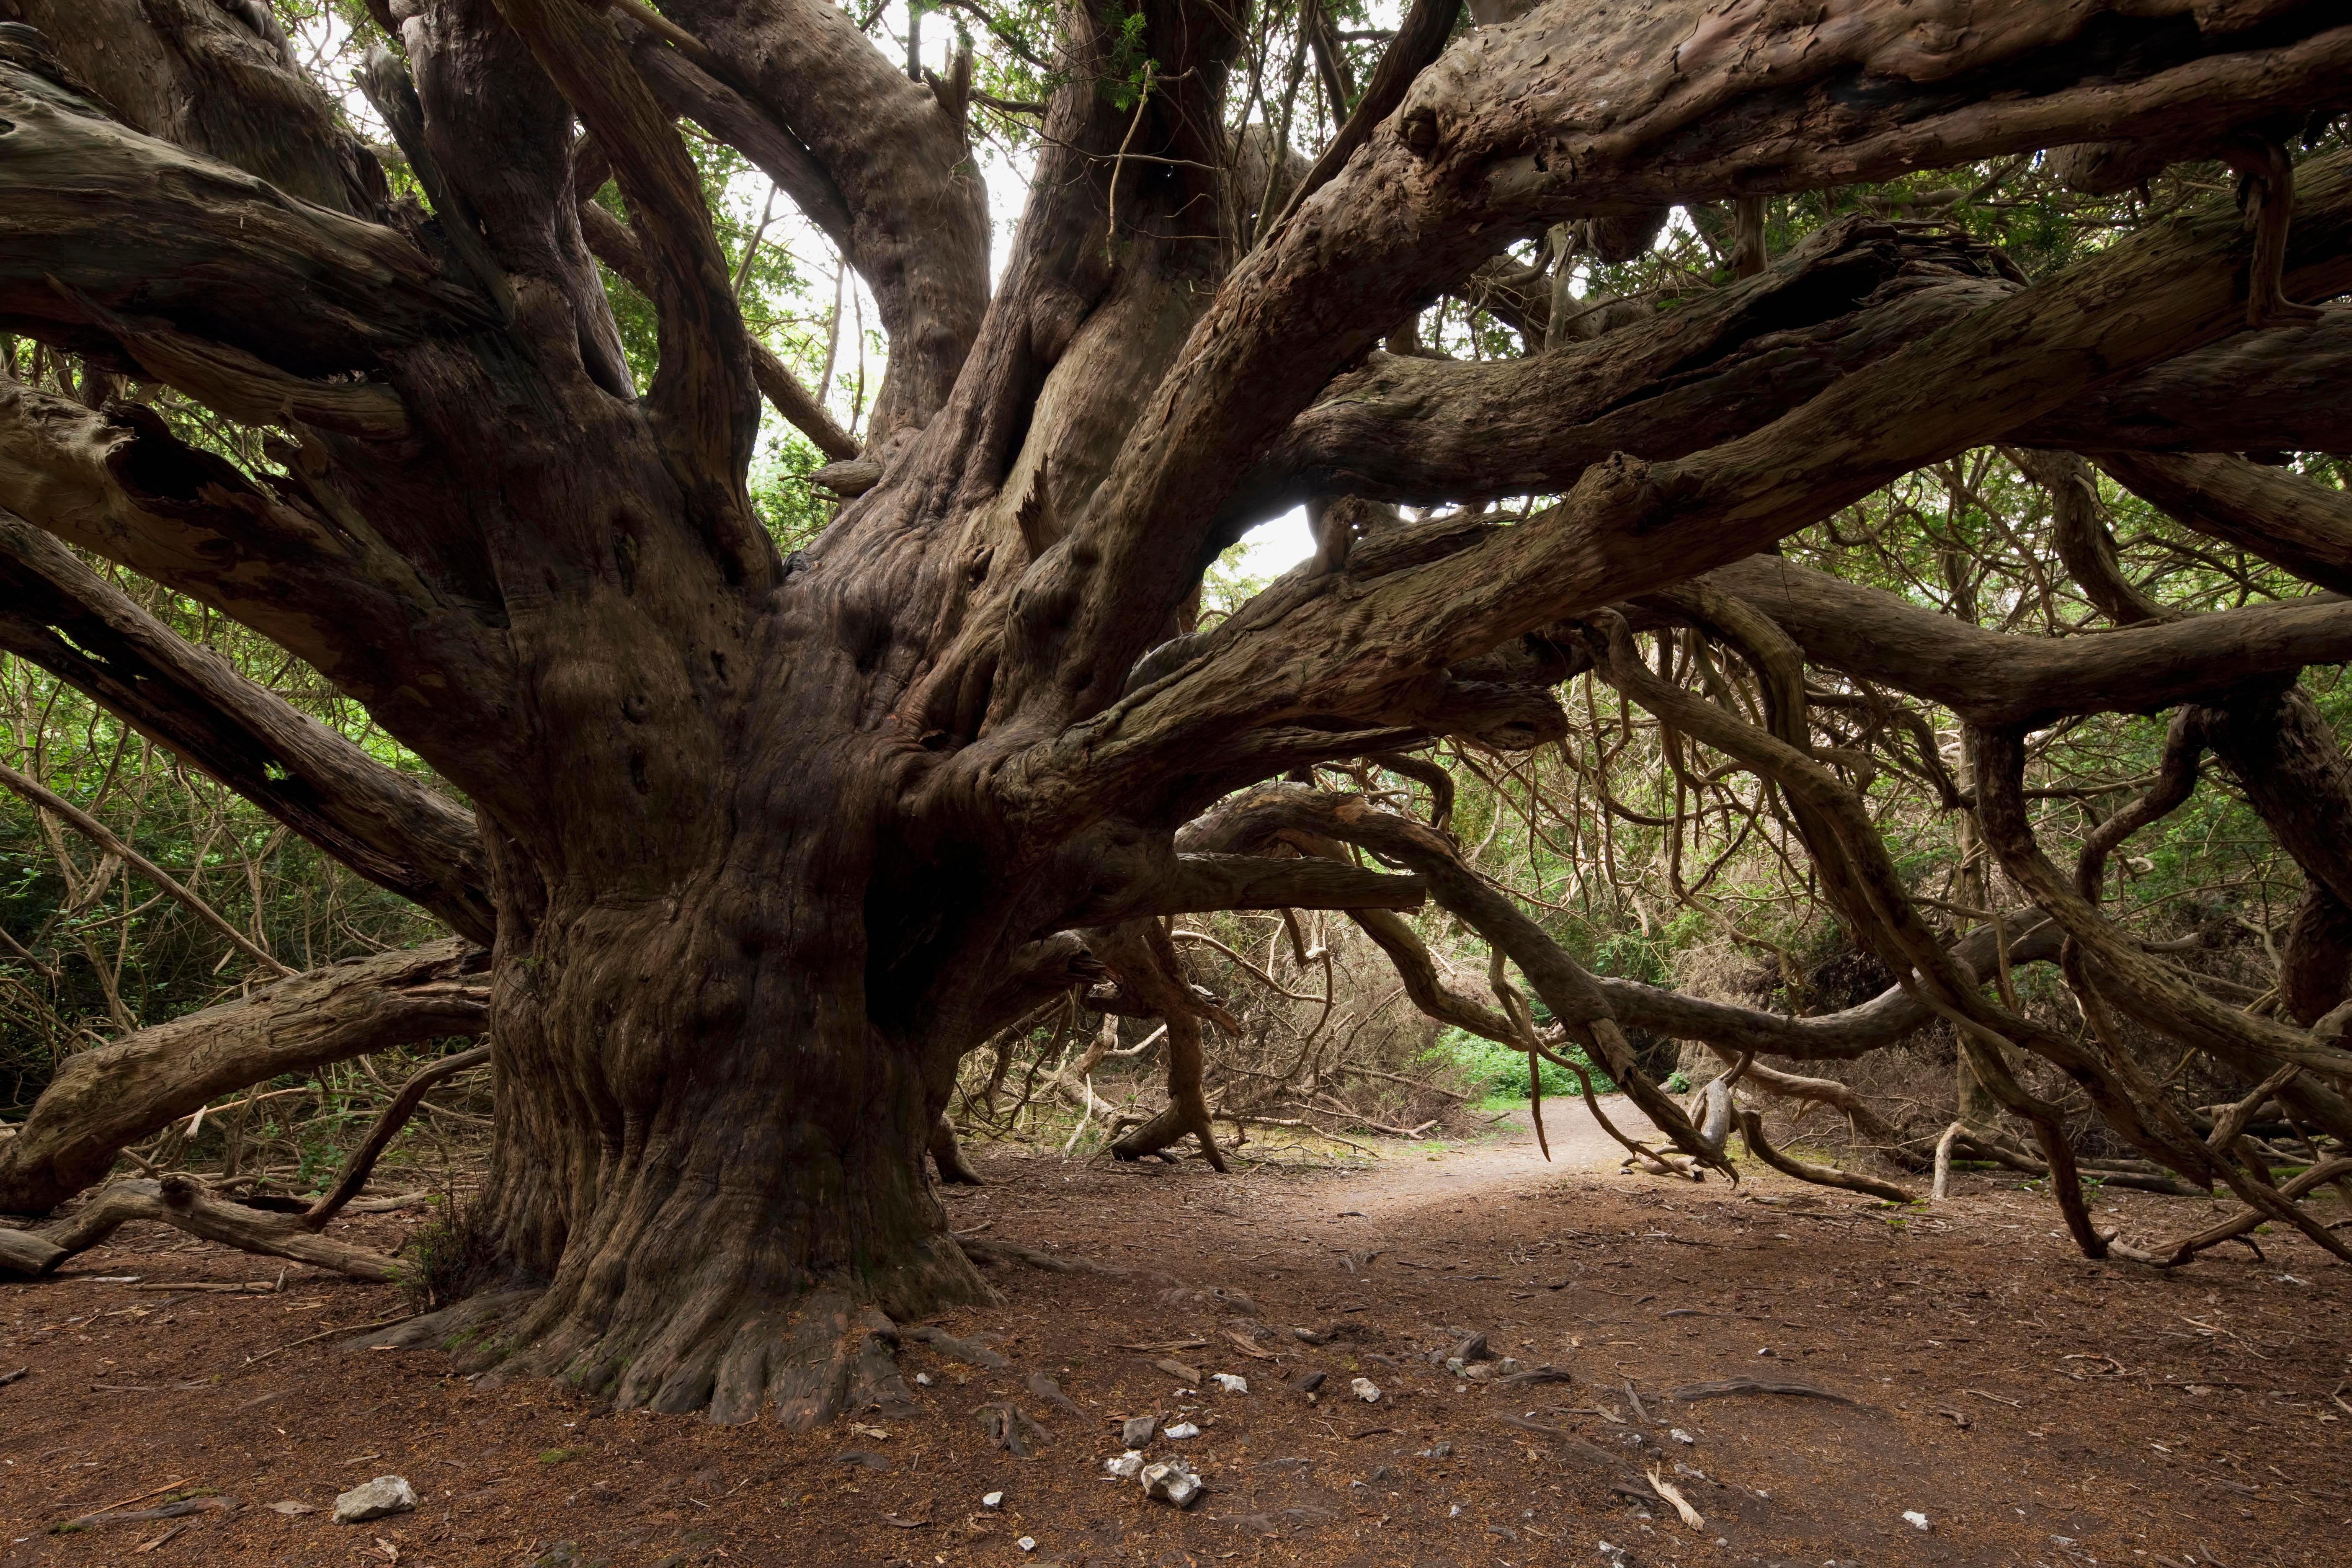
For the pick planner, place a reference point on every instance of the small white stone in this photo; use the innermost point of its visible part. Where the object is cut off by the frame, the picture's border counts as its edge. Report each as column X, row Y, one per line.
column 1367, row 1390
column 992, row 1499
column 1230, row 1383
column 1127, row 1466
column 1181, row 1429
column 1915, row 1518
column 383, row 1495
column 1027, row 1543
column 1679, row 1435
column 922, row 1380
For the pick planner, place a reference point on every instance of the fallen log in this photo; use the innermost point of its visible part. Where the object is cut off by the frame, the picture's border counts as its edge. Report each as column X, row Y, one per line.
column 102, row 1100
column 181, row 1202
column 25, row 1256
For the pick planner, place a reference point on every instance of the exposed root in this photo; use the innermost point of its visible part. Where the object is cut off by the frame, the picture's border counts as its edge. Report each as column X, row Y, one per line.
column 451, row 1328
column 971, row 1352
column 989, row 1251
column 1007, row 1425
column 947, row 1156
column 183, row 1202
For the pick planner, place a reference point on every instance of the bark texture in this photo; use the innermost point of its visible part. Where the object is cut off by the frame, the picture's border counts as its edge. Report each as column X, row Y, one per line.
column 761, row 845
column 112, row 1096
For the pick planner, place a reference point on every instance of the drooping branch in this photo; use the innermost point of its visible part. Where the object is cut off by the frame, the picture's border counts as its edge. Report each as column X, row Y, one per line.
column 1995, row 679
column 1576, row 1000
column 2153, row 993
column 104, row 1098
column 2296, row 776
column 1999, row 757
column 388, row 1123
column 384, row 825
column 1145, row 961
column 1885, row 1020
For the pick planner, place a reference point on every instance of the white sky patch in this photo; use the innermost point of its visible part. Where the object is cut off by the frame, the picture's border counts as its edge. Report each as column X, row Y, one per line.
column 1277, row 544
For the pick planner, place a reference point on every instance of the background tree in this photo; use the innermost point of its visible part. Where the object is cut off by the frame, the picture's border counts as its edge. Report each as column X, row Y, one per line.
column 764, row 836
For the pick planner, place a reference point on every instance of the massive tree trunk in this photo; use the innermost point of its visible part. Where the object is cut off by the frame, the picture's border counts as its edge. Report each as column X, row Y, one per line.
column 767, row 844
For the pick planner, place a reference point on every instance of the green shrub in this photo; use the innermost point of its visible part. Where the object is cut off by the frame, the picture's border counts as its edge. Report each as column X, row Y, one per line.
column 1500, row 1073
column 446, row 1258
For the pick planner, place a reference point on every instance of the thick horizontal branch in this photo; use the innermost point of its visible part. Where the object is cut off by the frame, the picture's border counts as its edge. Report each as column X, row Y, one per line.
column 1725, row 362
column 1689, row 100
column 2284, row 390
column 384, row 825
column 1351, row 646
column 2282, row 517
column 1206, row 882
column 149, row 230
column 1993, row 679
column 186, row 71
column 1631, row 109
column 104, row 1098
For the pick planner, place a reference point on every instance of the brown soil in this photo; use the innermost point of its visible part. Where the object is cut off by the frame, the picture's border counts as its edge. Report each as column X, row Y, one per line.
column 2033, row 1407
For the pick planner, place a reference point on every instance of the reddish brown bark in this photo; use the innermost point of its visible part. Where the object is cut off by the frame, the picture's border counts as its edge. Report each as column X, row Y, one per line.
column 765, row 845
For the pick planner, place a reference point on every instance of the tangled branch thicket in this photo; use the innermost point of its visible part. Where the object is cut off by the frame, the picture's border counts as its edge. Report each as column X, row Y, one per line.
column 542, row 520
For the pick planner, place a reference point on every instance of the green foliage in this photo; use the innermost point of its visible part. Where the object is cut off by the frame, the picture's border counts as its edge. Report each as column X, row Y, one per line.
column 1501, row 1073
column 1126, row 76
column 445, row 1257
column 1228, row 585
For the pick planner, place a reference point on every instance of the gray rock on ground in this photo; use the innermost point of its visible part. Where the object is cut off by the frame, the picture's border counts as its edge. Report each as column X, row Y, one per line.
column 375, row 1499
column 1170, row 1481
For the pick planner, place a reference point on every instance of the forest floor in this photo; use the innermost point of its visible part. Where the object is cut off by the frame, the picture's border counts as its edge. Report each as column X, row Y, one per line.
column 2025, row 1406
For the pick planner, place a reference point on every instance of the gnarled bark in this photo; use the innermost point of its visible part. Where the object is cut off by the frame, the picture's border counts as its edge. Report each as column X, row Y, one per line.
column 767, row 844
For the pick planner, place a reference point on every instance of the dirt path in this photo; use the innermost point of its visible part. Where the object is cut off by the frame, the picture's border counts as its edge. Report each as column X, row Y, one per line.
column 2032, row 1408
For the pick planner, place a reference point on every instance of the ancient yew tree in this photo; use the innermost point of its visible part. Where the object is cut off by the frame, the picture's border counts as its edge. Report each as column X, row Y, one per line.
column 760, row 843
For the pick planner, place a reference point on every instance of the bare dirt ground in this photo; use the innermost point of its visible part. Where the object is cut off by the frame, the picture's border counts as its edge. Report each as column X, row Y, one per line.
column 2030, row 1407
